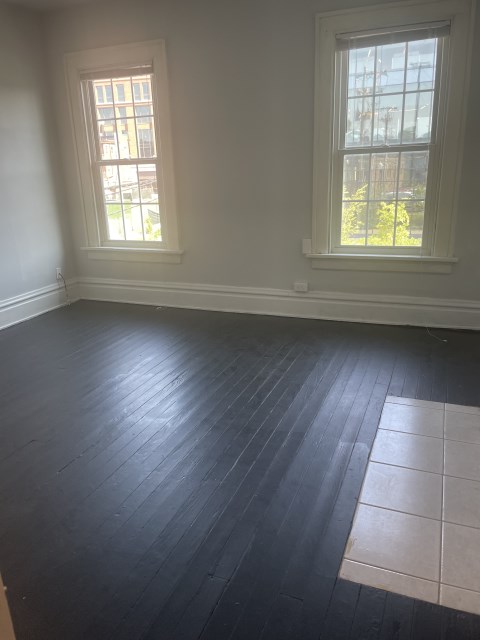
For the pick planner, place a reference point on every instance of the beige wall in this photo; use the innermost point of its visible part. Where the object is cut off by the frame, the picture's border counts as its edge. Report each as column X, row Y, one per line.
column 241, row 80
column 34, row 239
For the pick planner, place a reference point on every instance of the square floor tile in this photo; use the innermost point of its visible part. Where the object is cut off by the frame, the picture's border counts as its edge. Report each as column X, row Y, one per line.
column 461, row 501
column 461, row 557
column 395, row 541
column 462, row 460
column 419, row 420
column 389, row 581
column 408, row 450
column 462, row 426
column 462, row 599
column 406, row 490
column 415, row 402
column 461, row 408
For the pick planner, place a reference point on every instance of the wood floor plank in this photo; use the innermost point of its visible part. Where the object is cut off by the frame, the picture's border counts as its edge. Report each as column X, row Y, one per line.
column 175, row 474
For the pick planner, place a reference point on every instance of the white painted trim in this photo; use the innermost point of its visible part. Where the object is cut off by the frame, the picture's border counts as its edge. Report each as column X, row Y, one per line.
column 355, row 262
column 449, row 143
column 34, row 303
column 349, row 307
column 133, row 255
column 92, row 60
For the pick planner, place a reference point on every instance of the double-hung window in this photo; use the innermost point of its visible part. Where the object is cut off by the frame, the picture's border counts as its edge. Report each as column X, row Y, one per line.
column 389, row 89
column 124, row 151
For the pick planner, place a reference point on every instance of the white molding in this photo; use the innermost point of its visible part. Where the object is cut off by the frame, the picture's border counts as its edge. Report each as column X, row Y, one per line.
column 449, row 143
column 133, row 255
column 356, row 262
column 349, row 307
column 34, row 303
column 113, row 57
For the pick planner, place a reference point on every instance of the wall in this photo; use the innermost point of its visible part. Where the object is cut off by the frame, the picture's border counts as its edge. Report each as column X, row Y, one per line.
column 241, row 80
column 34, row 239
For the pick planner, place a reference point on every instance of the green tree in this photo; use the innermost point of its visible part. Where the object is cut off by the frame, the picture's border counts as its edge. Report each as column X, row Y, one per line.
column 151, row 233
column 352, row 215
column 385, row 227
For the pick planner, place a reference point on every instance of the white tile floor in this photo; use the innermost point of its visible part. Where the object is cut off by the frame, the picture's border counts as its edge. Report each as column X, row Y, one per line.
column 416, row 529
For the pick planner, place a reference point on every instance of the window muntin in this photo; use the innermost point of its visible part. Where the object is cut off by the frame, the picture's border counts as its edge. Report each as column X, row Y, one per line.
column 124, row 159
column 386, row 123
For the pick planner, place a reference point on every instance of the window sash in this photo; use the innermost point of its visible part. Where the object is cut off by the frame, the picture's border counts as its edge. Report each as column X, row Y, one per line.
column 339, row 151
column 97, row 163
column 379, row 37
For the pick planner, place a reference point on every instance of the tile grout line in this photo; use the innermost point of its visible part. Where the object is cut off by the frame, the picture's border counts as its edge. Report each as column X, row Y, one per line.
column 399, row 573
column 409, row 575
column 443, row 405
column 445, row 475
column 442, row 513
column 406, row 513
column 442, row 521
column 397, row 466
column 412, row 433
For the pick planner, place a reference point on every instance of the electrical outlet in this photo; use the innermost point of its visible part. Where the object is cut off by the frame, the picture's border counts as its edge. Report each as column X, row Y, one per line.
column 301, row 286
column 59, row 273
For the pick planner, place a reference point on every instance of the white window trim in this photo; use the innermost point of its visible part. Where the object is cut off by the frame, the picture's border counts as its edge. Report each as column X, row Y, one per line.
column 441, row 258
column 111, row 58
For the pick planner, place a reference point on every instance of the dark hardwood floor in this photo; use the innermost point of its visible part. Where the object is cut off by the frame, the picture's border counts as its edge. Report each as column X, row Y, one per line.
column 174, row 474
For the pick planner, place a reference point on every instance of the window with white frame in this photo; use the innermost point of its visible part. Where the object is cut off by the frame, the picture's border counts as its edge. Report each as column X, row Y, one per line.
column 388, row 131
column 124, row 149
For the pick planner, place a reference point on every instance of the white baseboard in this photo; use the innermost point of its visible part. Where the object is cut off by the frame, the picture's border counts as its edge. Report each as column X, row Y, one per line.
column 33, row 303
column 349, row 307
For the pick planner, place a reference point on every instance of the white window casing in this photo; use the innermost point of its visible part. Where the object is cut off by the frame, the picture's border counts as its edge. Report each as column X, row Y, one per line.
column 448, row 20
column 129, row 60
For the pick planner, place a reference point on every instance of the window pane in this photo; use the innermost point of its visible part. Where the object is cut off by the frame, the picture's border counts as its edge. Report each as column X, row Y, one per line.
column 413, row 174
column 115, row 221
column 388, row 119
column 383, row 184
column 390, row 68
column 127, row 132
column 359, row 122
column 417, row 125
column 129, row 183
column 354, row 215
column 152, row 223
column 356, row 176
column 147, row 175
column 421, row 60
column 389, row 85
column 384, row 198
column 381, row 223
column 110, row 184
column 133, row 221
column 107, row 140
column 127, row 140
column 146, row 140
column 361, row 67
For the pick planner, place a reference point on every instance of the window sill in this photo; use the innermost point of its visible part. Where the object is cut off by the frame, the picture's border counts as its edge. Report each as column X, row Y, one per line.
column 133, row 255
column 354, row 262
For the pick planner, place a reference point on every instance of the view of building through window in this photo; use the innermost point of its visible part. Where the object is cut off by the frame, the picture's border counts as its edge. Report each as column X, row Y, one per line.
column 387, row 127
column 126, row 156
